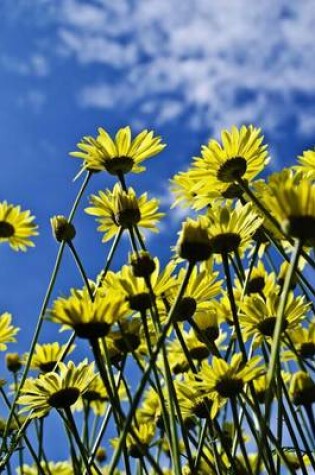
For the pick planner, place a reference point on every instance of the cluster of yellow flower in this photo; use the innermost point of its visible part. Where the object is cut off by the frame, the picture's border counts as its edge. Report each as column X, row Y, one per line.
column 192, row 357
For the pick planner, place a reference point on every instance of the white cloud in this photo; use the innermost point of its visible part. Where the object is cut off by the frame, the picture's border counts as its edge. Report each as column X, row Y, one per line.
column 35, row 65
column 213, row 62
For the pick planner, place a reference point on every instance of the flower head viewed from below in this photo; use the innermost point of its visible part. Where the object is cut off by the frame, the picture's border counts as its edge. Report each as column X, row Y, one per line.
column 53, row 390
column 122, row 209
column 120, row 155
column 193, row 352
column 16, row 227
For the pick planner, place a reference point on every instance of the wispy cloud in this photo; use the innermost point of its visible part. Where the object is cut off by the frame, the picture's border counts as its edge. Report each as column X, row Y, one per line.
column 217, row 61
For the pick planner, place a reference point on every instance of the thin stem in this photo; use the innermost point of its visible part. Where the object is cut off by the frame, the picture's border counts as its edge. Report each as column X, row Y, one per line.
column 146, row 374
column 109, row 258
column 81, row 268
column 233, row 305
column 45, row 305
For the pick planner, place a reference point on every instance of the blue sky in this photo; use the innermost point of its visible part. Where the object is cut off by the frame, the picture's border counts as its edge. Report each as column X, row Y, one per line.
column 186, row 69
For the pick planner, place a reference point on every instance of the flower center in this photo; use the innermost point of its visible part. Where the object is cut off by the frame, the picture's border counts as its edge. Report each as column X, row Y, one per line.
column 307, row 350
column 6, row 229
column 255, row 285
column 267, row 326
column 91, row 396
column 140, row 302
column 229, row 387
column 118, row 165
column 195, row 251
column 185, row 309
column 232, row 191
column 199, row 352
column 302, row 227
column 225, row 243
column 64, row 398
column 128, row 342
column 47, row 367
column 202, row 408
column 91, row 330
column 127, row 217
column 232, row 169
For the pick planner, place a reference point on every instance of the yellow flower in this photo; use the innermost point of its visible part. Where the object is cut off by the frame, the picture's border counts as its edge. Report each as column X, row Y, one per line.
column 46, row 356
column 16, row 227
column 231, row 229
column 258, row 315
column 221, row 380
column 307, row 164
column 138, row 445
column 7, row 331
column 302, row 389
column 135, row 289
column 118, row 209
column 293, row 204
column 201, row 288
column 89, row 319
column 53, row 390
column 119, row 155
column 49, row 468
column 303, row 340
column 241, row 155
column 193, row 242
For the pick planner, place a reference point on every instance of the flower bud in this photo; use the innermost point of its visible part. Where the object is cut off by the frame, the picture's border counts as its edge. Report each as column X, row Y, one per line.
column 62, row 229
column 194, row 243
column 142, row 264
column 302, row 389
column 13, row 362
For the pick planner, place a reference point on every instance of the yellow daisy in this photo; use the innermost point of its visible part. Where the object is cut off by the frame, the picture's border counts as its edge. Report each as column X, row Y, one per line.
column 258, row 315
column 49, row 468
column 119, row 155
column 16, row 227
column 293, row 203
column 307, row 164
column 240, row 155
column 46, row 356
column 303, row 339
column 135, row 289
column 89, row 319
column 7, row 331
column 201, row 288
column 222, row 381
column 119, row 209
column 56, row 390
column 231, row 229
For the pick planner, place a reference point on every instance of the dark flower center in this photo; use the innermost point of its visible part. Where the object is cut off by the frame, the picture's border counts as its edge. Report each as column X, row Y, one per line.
column 92, row 396
column 195, row 251
column 127, row 342
column 91, row 330
column 118, row 165
column 229, row 387
column 267, row 326
column 185, row 309
column 302, row 227
column 47, row 367
column 6, row 229
column 128, row 217
column 140, row 302
column 64, row 398
column 199, row 353
column 232, row 191
column 304, row 397
column 202, row 409
column 307, row 350
column 255, row 285
column 225, row 243
column 232, row 169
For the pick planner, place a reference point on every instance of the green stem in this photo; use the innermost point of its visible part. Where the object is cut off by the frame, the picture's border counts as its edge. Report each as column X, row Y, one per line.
column 233, row 305
column 146, row 374
column 44, row 306
column 74, row 431
column 109, row 258
column 81, row 268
